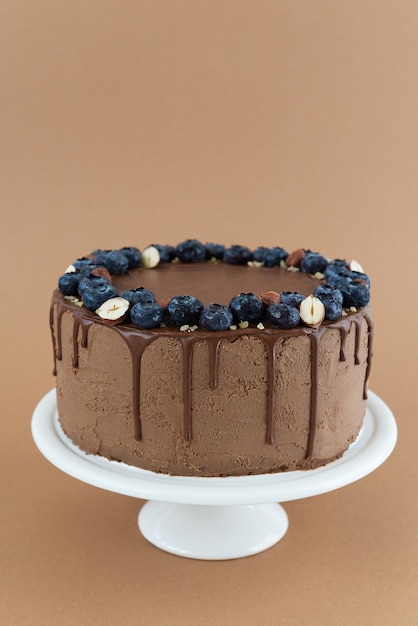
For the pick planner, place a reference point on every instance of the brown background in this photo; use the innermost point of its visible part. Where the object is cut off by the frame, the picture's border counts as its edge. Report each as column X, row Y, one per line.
column 270, row 122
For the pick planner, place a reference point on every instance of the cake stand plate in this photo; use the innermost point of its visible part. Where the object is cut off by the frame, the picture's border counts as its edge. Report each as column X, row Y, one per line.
column 215, row 518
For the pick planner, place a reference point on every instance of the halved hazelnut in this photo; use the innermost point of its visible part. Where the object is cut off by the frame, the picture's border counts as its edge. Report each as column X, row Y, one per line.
column 150, row 257
column 356, row 267
column 312, row 311
column 113, row 310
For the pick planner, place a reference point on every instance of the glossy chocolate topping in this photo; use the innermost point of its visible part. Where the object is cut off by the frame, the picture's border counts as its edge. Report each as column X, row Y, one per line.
column 214, row 282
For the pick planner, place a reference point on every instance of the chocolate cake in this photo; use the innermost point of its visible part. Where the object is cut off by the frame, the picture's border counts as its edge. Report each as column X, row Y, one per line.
column 201, row 360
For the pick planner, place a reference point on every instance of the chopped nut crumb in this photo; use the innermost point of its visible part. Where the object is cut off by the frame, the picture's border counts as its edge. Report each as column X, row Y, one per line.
column 353, row 309
column 243, row 324
column 319, row 275
column 260, row 326
column 233, row 327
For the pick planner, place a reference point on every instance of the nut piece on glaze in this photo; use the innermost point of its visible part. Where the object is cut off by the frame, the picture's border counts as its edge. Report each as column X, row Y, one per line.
column 312, row 311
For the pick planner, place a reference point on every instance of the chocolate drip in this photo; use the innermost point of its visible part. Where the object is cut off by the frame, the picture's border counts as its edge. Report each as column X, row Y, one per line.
column 270, row 344
column 187, row 345
column 214, row 346
column 136, row 341
column 56, row 311
column 315, row 338
column 369, row 353
column 54, row 342
column 76, row 326
column 84, row 324
column 357, row 323
column 343, row 339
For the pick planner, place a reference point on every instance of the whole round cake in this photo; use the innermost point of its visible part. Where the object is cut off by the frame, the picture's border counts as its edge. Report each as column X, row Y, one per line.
column 207, row 360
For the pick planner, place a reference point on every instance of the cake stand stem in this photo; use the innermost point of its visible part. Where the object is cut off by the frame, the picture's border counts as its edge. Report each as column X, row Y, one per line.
column 212, row 532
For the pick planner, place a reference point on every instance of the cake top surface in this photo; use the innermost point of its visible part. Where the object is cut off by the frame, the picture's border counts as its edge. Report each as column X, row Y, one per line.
column 209, row 286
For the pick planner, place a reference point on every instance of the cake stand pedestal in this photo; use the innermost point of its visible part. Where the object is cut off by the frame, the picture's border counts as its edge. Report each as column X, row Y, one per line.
column 215, row 518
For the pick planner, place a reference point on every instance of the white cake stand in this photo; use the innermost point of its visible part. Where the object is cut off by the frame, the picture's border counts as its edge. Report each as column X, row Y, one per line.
column 215, row 518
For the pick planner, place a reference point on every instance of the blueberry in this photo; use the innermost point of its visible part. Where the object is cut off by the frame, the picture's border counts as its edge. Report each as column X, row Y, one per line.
column 259, row 254
column 184, row 310
column 313, row 262
column 246, row 307
column 332, row 299
column 216, row 317
column 133, row 255
column 81, row 264
column 113, row 260
column 355, row 294
column 89, row 281
column 68, row 283
column 356, row 276
column 326, row 293
column 292, row 298
column 167, row 253
column 238, row 255
column 146, row 315
column 97, row 293
column 274, row 256
column 282, row 315
column 215, row 251
column 139, row 294
column 338, row 279
column 191, row 251
column 336, row 266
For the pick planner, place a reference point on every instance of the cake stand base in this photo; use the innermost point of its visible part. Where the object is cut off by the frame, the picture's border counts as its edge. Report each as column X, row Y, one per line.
column 212, row 532
column 215, row 518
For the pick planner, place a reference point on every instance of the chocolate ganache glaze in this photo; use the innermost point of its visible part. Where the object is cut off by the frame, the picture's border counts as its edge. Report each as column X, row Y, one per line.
column 246, row 400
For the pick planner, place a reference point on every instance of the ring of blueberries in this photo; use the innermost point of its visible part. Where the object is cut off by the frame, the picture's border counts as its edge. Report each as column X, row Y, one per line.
column 89, row 279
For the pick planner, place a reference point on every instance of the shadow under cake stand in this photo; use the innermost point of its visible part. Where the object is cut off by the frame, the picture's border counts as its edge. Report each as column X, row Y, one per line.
column 215, row 518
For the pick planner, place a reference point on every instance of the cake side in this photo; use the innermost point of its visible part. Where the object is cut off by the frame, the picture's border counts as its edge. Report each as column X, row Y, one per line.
column 229, row 418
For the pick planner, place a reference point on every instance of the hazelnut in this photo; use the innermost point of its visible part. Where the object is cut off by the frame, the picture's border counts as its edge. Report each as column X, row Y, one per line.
column 312, row 311
column 356, row 267
column 150, row 257
column 113, row 310
column 269, row 297
column 101, row 271
column 295, row 257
